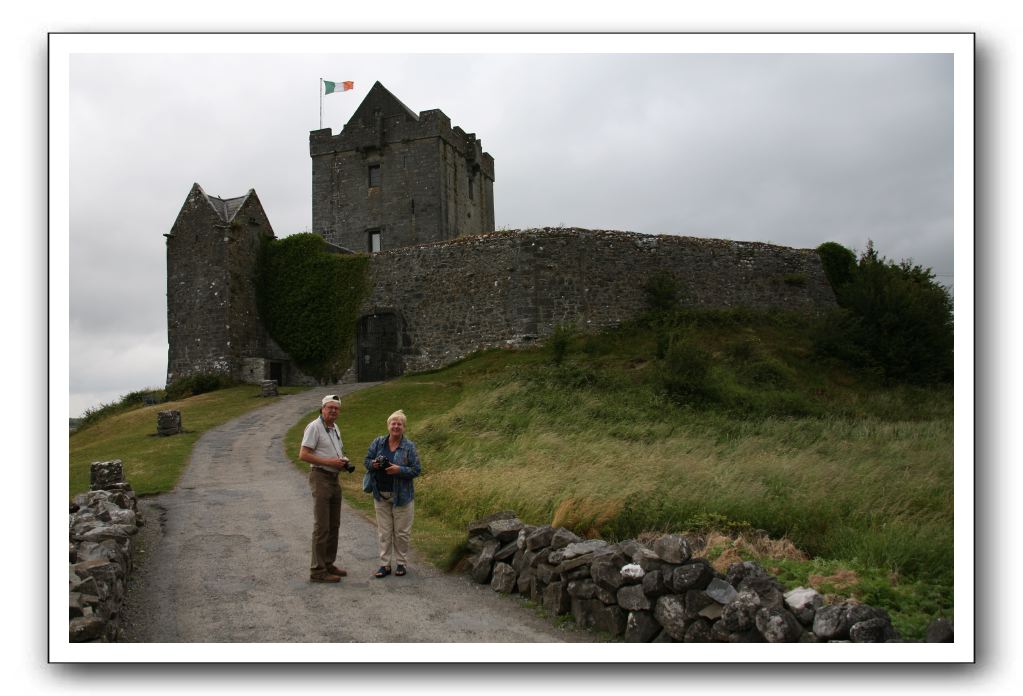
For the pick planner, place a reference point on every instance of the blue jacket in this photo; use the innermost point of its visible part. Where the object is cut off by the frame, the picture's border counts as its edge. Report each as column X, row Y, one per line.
column 406, row 457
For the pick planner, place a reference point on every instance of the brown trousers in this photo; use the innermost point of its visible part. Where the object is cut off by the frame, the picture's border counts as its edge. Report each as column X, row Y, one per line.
column 326, row 518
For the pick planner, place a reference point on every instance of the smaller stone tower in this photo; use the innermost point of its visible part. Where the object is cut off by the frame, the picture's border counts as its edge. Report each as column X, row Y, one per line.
column 392, row 178
column 213, row 325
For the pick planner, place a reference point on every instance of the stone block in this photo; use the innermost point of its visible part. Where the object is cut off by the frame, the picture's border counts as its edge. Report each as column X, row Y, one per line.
column 672, row 548
column 670, row 612
column 778, row 625
column 631, row 598
column 504, row 577
column 168, row 423
column 103, row 474
column 610, row 618
column 562, row 538
column 641, row 627
column 556, row 599
column 803, row 602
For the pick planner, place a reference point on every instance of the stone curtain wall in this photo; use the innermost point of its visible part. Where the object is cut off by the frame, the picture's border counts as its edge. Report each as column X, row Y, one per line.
column 101, row 527
column 512, row 288
column 660, row 593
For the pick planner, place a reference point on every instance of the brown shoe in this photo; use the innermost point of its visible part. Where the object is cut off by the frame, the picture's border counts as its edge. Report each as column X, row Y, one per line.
column 334, row 570
column 324, row 577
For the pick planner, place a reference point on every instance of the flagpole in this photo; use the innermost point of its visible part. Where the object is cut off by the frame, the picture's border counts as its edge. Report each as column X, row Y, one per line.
column 321, row 103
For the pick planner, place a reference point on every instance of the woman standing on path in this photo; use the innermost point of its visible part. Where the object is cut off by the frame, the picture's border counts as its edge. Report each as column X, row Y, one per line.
column 393, row 463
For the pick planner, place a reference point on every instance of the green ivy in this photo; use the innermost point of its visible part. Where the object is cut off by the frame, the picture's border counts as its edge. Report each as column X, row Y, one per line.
column 309, row 301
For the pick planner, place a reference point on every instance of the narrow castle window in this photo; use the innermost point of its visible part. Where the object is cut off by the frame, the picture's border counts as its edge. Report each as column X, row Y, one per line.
column 374, row 175
column 470, row 187
column 373, row 239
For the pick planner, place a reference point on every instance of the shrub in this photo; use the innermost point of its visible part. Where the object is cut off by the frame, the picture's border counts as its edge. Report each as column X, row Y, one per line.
column 193, row 385
column 686, row 375
column 661, row 292
column 559, row 342
column 898, row 320
column 129, row 401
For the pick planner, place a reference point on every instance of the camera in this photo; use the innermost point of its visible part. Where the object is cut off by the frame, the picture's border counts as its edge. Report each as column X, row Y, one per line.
column 348, row 467
column 381, row 463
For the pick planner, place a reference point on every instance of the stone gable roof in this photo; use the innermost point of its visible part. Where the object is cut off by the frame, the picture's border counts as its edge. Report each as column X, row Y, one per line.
column 379, row 98
column 226, row 208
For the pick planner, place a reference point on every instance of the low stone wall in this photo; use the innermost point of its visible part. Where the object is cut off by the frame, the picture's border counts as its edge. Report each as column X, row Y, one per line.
column 660, row 593
column 101, row 525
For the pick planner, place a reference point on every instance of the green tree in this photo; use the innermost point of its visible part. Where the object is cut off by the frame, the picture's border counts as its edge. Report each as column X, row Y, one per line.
column 897, row 319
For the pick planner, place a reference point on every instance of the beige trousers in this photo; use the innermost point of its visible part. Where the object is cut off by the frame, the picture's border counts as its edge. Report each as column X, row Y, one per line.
column 394, row 527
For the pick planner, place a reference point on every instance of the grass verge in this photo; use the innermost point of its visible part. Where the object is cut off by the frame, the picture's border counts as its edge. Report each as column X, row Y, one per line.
column 153, row 464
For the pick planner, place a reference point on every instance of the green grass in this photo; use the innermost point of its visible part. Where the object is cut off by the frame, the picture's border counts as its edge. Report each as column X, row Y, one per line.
column 853, row 473
column 153, row 464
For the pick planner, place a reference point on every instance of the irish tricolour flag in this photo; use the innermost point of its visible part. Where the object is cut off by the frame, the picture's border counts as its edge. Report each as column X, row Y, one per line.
column 331, row 87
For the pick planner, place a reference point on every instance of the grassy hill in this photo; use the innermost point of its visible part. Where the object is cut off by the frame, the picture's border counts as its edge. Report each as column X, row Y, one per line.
column 739, row 434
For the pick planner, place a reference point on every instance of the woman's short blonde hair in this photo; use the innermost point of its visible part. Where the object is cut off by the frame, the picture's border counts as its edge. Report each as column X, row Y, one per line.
column 400, row 415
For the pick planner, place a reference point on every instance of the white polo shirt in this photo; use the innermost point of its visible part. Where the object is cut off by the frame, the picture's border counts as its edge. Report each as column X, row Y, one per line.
column 323, row 443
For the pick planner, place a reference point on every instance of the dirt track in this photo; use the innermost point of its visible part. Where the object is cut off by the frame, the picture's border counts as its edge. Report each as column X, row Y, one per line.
column 227, row 557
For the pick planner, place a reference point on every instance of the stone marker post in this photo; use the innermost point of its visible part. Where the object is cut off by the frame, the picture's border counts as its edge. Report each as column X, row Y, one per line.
column 168, row 423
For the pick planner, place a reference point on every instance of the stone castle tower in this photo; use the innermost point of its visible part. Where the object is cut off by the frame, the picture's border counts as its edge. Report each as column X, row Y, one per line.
column 393, row 179
column 213, row 325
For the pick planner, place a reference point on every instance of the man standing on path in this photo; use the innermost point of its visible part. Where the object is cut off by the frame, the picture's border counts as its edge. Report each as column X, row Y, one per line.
column 323, row 450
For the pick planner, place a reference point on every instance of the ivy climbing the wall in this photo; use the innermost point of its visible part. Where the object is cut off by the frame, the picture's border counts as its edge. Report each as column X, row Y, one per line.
column 309, row 300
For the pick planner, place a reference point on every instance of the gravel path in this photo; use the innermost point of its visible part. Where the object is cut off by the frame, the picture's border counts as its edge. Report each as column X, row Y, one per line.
column 226, row 558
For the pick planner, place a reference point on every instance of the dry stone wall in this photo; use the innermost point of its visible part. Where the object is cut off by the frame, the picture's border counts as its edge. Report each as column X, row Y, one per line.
column 660, row 593
column 101, row 526
column 513, row 288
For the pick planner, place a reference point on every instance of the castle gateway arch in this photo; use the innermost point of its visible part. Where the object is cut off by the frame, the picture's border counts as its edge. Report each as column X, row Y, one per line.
column 380, row 338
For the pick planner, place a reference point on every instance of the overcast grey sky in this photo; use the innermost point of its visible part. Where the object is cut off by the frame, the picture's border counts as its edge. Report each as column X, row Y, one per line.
column 794, row 149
